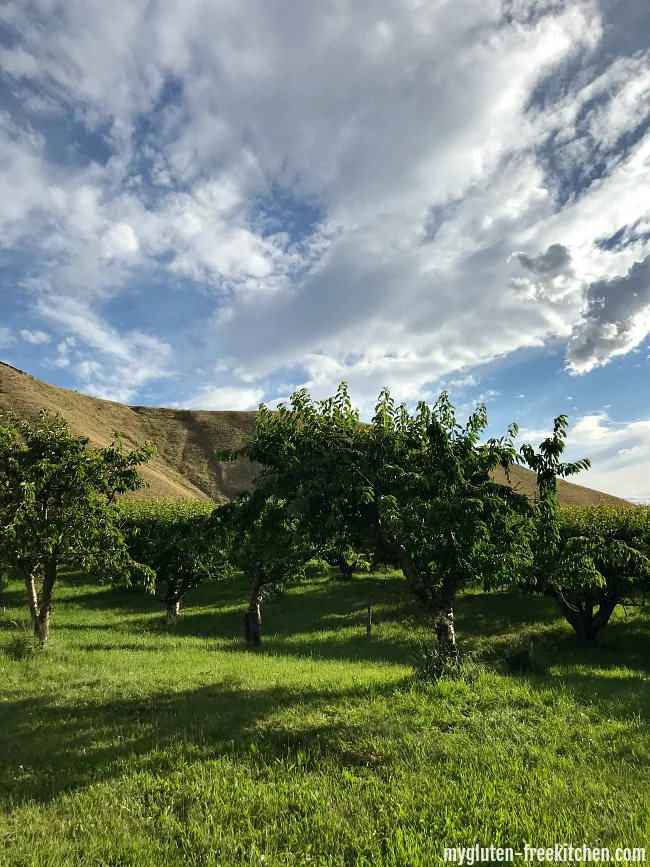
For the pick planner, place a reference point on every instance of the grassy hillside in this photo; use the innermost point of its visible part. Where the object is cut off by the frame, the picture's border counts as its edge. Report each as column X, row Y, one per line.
column 135, row 744
column 187, row 440
column 184, row 466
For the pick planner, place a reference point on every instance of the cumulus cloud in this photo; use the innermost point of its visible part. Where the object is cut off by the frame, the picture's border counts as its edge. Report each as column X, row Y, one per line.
column 225, row 397
column 120, row 239
column 617, row 319
column 407, row 148
column 555, row 261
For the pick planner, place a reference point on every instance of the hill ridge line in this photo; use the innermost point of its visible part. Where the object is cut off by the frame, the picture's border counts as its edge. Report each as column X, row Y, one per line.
column 186, row 441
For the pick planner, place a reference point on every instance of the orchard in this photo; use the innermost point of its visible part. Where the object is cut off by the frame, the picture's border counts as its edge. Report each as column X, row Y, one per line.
column 411, row 489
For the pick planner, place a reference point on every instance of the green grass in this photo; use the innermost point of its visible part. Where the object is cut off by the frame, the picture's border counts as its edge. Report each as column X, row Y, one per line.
column 132, row 743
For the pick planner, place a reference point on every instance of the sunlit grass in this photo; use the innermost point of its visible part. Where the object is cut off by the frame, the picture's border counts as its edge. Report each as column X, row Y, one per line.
column 135, row 743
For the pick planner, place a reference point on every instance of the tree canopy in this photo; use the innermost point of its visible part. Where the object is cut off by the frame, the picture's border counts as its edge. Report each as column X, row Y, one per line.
column 58, row 507
column 415, row 487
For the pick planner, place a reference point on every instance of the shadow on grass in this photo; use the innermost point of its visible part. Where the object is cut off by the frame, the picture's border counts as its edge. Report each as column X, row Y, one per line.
column 615, row 676
column 49, row 748
column 492, row 614
column 495, row 619
column 313, row 620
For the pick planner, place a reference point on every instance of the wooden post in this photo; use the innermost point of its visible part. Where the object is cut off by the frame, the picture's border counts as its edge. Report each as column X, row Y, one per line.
column 369, row 619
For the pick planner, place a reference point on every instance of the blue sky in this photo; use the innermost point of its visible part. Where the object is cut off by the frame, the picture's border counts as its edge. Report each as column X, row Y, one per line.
column 210, row 204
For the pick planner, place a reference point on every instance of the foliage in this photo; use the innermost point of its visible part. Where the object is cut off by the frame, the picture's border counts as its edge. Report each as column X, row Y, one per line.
column 588, row 558
column 263, row 534
column 267, row 542
column 58, row 506
column 180, row 541
column 603, row 556
column 416, row 488
column 548, row 466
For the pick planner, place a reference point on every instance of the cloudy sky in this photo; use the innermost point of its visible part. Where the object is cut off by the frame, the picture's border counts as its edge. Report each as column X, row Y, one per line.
column 211, row 203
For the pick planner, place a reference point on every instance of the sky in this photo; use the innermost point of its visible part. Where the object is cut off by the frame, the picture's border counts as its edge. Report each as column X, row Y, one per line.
column 212, row 203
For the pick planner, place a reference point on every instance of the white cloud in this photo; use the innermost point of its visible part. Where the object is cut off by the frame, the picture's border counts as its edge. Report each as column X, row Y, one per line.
column 463, row 382
column 64, row 348
column 617, row 319
column 416, row 131
column 110, row 365
column 35, row 337
column 226, row 397
column 6, row 337
column 120, row 239
column 488, row 396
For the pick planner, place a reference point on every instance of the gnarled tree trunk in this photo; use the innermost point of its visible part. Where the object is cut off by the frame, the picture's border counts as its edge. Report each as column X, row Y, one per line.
column 45, row 610
column 32, row 597
column 442, row 603
column 581, row 616
column 253, row 615
column 346, row 569
column 41, row 610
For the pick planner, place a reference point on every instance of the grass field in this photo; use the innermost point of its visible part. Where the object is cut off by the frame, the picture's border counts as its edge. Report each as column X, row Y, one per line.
column 133, row 743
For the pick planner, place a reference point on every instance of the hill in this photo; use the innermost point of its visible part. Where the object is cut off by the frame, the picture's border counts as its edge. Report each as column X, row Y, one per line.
column 186, row 440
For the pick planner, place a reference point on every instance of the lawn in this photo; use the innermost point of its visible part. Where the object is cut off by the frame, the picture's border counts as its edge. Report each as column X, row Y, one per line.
column 133, row 743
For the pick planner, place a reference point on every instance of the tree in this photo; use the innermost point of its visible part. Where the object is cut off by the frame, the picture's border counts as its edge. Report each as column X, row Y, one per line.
column 180, row 541
column 267, row 543
column 587, row 559
column 345, row 559
column 416, row 488
column 602, row 558
column 58, row 507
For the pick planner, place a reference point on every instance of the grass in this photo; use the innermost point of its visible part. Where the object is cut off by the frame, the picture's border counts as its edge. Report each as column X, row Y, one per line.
column 134, row 743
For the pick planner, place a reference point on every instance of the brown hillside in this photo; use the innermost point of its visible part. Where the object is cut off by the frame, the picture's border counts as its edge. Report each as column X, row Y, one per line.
column 186, row 440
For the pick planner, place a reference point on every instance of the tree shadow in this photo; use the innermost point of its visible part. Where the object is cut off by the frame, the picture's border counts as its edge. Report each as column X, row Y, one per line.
column 486, row 615
column 311, row 620
column 50, row 748
column 615, row 676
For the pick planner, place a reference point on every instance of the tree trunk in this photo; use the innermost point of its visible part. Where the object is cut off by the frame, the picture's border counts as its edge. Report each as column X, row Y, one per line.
column 345, row 569
column 32, row 597
column 409, row 570
column 581, row 617
column 585, row 632
column 605, row 611
column 445, row 628
column 42, row 630
column 173, row 605
column 253, row 616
